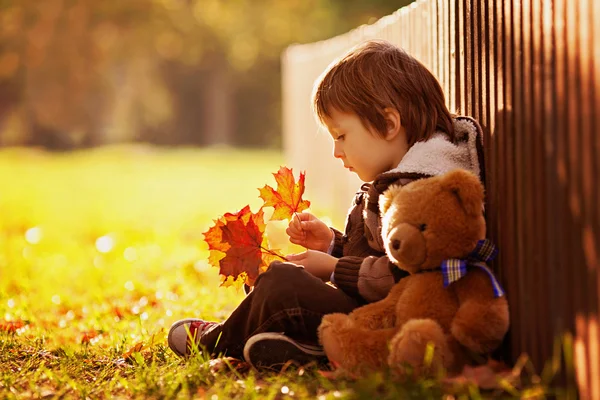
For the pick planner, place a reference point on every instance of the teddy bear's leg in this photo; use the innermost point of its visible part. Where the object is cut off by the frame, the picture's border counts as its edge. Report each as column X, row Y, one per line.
column 353, row 348
column 422, row 345
column 481, row 320
column 380, row 314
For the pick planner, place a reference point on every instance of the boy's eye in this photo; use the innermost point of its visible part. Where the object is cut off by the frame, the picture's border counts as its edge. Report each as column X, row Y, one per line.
column 422, row 227
column 341, row 137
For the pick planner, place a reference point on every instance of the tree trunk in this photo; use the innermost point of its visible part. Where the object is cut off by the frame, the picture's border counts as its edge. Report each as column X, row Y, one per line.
column 219, row 108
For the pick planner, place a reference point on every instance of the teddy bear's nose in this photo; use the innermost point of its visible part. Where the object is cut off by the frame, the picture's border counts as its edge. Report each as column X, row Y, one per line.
column 396, row 244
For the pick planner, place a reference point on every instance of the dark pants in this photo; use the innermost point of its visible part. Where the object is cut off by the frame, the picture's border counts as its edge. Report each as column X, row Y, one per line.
column 285, row 299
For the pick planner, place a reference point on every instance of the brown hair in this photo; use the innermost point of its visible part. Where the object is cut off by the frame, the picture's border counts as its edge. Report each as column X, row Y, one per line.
column 376, row 75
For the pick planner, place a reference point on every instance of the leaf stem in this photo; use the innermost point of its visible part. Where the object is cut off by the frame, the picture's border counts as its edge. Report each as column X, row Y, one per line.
column 271, row 252
column 301, row 228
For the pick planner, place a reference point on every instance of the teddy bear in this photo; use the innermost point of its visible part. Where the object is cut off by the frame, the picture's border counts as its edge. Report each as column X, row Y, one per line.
column 450, row 309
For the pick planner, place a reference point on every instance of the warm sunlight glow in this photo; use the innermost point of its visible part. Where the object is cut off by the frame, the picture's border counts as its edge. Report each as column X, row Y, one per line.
column 105, row 244
column 33, row 235
column 130, row 254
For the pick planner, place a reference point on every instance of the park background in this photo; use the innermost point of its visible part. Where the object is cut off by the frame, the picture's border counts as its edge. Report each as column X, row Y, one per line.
column 81, row 73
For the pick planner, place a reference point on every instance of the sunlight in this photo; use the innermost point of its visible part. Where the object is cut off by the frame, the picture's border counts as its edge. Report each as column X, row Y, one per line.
column 130, row 254
column 105, row 244
column 33, row 235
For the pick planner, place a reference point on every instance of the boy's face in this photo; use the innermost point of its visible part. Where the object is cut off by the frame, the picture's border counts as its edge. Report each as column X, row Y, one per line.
column 361, row 149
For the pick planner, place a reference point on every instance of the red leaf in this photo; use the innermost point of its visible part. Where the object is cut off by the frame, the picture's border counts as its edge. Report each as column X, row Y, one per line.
column 89, row 335
column 12, row 326
column 134, row 349
column 237, row 245
column 492, row 375
column 118, row 313
column 219, row 365
column 287, row 199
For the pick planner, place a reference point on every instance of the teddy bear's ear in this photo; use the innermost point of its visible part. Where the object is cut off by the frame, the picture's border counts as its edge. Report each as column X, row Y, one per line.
column 467, row 188
column 386, row 199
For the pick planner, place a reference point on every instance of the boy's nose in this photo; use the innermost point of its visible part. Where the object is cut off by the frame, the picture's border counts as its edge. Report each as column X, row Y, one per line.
column 337, row 152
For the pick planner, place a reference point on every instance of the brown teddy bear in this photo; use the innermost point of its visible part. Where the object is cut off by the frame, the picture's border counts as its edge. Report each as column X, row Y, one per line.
column 450, row 308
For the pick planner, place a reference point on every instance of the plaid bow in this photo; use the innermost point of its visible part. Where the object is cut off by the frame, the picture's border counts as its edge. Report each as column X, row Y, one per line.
column 453, row 269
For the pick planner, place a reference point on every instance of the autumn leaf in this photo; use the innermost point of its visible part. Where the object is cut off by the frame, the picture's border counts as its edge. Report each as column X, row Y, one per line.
column 490, row 376
column 136, row 348
column 89, row 336
column 287, row 199
column 12, row 326
column 238, row 246
column 223, row 364
column 118, row 313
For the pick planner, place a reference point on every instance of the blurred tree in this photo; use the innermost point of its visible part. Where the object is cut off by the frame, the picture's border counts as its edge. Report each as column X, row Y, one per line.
column 86, row 72
column 54, row 56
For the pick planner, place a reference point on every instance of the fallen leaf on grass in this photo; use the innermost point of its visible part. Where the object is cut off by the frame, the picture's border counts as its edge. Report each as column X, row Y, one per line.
column 337, row 373
column 136, row 348
column 493, row 375
column 88, row 336
column 287, row 199
column 222, row 364
column 12, row 326
column 120, row 314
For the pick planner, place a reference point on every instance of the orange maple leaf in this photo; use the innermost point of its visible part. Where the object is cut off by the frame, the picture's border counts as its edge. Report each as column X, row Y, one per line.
column 287, row 199
column 12, row 326
column 238, row 246
column 87, row 336
column 136, row 348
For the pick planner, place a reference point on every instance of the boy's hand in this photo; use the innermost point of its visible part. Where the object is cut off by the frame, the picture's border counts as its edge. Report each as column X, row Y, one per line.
column 317, row 263
column 307, row 230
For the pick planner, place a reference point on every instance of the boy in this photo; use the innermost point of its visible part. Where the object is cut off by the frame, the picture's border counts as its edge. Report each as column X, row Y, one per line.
column 387, row 117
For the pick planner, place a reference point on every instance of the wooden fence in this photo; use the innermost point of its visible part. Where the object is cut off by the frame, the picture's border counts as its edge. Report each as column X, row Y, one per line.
column 529, row 71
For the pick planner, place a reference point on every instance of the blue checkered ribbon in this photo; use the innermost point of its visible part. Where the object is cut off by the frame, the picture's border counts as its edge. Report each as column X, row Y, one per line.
column 453, row 269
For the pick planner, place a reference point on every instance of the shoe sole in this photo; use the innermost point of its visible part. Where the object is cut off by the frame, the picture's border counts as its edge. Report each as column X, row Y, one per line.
column 270, row 350
column 169, row 340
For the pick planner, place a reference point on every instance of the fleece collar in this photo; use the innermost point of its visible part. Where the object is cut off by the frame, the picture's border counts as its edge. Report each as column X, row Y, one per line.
column 439, row 155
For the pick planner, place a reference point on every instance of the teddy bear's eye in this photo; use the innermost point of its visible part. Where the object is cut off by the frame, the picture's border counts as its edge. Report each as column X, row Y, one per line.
column 422, row 227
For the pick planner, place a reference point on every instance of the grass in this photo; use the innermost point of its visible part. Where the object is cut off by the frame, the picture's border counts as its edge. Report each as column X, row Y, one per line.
column 101, row 250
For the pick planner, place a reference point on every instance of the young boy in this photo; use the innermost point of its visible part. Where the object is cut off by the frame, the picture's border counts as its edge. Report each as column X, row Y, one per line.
column 387, row 117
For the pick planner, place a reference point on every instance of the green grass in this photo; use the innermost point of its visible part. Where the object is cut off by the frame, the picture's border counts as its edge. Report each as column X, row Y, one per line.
column 71, row 314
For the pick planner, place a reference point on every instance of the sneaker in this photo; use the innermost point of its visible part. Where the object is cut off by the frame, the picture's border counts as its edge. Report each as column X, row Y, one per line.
column 185, row 334
column 274, row 350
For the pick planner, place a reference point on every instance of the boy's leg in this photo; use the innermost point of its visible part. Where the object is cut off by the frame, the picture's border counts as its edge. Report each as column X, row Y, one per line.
column 287, row 299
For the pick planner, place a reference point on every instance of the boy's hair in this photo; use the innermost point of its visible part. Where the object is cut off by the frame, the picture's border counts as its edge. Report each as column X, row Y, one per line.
column 376, row 75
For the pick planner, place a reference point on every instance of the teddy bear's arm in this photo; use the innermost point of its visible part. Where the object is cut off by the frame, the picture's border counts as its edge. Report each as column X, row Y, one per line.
column 482, row 319
column 381, row 314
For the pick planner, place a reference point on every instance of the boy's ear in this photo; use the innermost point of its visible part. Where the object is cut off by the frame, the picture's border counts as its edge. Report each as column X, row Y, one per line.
column 393, row 122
